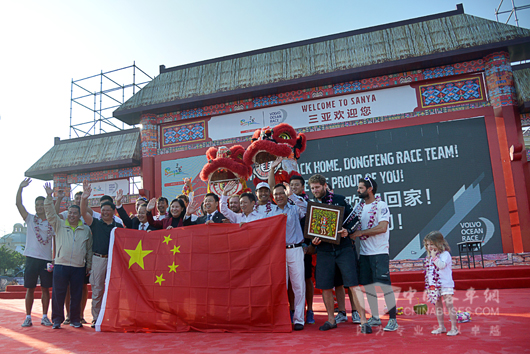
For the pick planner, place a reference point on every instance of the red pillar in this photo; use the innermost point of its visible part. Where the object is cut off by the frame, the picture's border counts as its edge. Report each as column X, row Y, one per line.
column 149, row 151
column 501, row 89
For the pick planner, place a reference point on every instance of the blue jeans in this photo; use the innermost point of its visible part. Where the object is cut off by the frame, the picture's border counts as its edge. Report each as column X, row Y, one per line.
column 63, row 276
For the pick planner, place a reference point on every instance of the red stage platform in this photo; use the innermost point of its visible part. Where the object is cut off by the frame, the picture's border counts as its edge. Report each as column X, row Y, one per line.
column 499, row 324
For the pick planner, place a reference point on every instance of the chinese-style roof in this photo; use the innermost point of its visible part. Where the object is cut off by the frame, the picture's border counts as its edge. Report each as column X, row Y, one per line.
column 429, row 41
column 521, row 76
column 98, row 152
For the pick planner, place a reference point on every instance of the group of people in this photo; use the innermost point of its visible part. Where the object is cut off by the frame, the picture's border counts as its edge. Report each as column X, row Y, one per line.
column 81, row 237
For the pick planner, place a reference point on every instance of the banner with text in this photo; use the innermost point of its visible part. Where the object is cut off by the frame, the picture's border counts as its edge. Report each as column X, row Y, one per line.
column 433, row 177
column 377, row 103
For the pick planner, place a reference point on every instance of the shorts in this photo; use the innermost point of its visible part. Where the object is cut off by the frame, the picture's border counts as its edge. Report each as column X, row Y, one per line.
column 36, row 268
column 344, row 259
column 308, row 265
column 338, row 275
column 447, row 291
column 374, row 269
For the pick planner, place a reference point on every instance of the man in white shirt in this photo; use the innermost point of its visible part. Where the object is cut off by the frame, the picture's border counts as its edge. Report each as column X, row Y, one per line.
column 38, row 252
column 374, row 260
column 247, row 201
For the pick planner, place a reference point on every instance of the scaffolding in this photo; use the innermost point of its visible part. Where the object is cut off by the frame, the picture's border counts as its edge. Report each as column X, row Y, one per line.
column 511, row 12
column 94, row 98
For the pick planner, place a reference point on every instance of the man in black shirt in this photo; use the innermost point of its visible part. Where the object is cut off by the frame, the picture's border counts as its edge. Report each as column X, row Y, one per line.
column 331, row 257
column 101, row 230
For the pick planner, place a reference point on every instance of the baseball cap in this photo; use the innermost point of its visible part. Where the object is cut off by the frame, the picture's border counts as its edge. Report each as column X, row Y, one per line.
column 262, row 185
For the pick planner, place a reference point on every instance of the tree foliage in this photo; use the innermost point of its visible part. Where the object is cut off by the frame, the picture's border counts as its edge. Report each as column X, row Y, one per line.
column 10, row 259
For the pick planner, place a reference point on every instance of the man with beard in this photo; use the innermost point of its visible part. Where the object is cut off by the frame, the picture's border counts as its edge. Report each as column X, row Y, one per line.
column 233, row 204
column 331, row 257
column 374, row 260
column 138, row 222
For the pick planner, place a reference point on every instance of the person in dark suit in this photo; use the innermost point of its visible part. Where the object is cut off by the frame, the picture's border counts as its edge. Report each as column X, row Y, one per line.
column 138, row 222
column 211, row 212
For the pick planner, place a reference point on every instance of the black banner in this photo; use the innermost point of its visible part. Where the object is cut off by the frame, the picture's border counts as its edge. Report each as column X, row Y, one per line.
column 433, row 177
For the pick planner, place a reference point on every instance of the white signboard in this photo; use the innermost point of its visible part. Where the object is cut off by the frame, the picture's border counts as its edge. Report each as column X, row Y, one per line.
column 332, row 110
column 100, row 189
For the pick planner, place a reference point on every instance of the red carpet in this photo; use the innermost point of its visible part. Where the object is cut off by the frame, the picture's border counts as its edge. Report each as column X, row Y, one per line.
column 495, row 327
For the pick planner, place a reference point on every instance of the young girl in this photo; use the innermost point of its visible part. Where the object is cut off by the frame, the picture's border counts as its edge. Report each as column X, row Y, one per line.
column 439, row 279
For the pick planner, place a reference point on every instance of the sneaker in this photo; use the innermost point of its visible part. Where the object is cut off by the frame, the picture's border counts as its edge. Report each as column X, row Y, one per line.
column 391, row 326
column 56, row 325
column 292, row 316
column 46, row 322
column 341, row 317
column 366, row 329
column 27, row 322
column 67, row 321
column 76, row 324
column 310, row 317
column 83, row 321
column 374, row 321
column 327, row 326
column 355, row 317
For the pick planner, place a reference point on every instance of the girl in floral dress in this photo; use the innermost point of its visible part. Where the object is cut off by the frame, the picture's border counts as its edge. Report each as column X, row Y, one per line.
column 439, row 283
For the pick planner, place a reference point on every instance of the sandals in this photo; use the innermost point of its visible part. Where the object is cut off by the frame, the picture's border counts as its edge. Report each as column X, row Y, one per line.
column 453, row 332
column 328, row 325
column 440, row 330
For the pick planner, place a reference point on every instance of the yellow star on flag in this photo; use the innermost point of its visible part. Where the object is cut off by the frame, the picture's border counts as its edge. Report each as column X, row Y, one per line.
column 175, row 249
column 137, row 255
column 159, row 279
column 173, row 267
column 167, row 239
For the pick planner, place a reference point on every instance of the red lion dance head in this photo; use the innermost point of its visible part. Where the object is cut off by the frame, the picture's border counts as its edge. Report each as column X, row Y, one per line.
column 270, row 143
column 225, row 165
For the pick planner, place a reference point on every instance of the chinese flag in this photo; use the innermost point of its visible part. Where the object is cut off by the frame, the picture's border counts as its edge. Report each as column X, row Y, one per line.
column 211, row 278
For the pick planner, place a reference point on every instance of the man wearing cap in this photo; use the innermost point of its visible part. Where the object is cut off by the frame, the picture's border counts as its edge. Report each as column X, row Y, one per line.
column 263, row 193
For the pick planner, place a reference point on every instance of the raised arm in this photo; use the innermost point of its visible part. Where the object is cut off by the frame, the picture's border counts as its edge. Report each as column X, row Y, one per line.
column 274, row 164
column 21, row 209
column 49, row 209
column 225, row 210
column 87, row 190
column 300, row 203
column 157, row 224
column 60, row 196
column 121, row 211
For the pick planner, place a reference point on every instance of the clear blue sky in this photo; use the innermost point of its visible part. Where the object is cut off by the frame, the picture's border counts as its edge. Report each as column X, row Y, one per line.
column 46, row 44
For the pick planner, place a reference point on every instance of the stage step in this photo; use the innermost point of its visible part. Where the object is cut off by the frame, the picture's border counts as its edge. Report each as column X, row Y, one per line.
column 477, row 278
column 19, row 292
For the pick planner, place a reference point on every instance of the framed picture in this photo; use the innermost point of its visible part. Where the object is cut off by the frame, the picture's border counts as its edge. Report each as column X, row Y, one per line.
column 323, row 221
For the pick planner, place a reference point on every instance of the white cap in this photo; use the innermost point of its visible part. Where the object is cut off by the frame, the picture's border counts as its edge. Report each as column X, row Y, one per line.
column 262, row 185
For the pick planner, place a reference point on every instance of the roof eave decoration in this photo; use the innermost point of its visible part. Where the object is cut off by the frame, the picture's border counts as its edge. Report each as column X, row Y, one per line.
column 98, row 152
column 434, row 40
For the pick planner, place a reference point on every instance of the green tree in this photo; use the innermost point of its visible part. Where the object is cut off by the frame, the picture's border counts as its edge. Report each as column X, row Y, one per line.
column 10, row 259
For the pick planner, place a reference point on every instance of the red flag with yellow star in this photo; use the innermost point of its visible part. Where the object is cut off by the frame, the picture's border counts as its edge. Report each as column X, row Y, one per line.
column 212, row 278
